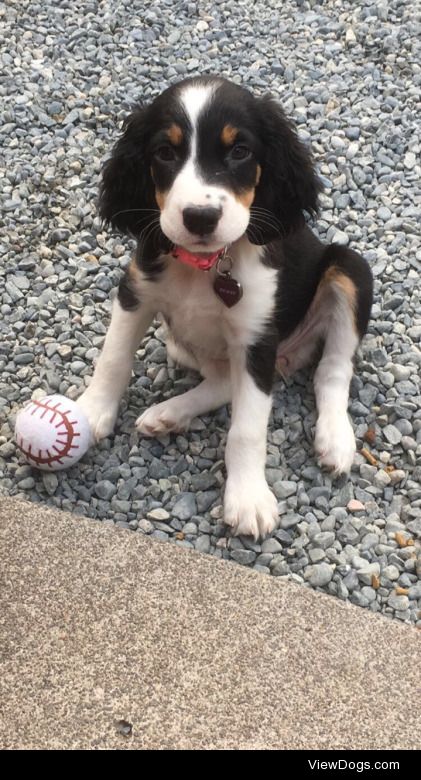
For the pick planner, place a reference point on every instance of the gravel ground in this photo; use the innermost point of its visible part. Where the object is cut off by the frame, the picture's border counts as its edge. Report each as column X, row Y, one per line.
column 348, row 74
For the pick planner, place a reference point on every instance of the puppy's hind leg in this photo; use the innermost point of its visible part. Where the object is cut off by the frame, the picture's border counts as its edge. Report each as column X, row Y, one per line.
column 347, row 292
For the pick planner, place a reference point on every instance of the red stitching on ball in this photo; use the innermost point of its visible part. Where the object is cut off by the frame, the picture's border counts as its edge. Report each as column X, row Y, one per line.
column 61, row 453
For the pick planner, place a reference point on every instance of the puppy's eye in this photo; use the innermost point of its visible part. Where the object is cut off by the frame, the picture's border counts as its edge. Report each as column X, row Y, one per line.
column 240, row 152
column 165, row 153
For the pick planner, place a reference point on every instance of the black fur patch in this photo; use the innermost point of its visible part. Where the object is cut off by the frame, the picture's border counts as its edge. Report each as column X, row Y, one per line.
column 127, row 295
column 148, row 255
column 261, row 358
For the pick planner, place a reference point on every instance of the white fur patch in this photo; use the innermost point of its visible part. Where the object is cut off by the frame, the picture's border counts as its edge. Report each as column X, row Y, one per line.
column 194, row 98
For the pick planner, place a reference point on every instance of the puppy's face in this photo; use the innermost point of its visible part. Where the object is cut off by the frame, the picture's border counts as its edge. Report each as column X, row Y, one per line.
column 204, row 164
column 205, row 167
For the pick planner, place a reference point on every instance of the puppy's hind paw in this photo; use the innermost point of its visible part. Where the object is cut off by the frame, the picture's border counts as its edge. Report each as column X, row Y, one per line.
column 335, row 443
column 161, row 419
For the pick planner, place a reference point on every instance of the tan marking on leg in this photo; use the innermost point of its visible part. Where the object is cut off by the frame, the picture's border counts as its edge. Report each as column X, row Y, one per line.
column 335, row 277
column 228, row 135
column 175, row 134
column 296, row 351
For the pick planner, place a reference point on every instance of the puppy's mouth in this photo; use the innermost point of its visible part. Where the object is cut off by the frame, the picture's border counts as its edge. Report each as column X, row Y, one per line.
column 200, row 246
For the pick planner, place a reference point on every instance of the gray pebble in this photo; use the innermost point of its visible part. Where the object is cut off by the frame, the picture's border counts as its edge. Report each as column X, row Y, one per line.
column 398, row 602
column 280, row 568
column 351, row 580
column 415, row 591
column 202, row 544
column 105, row 489
column 324, row 539
column 7, row 450
column 319, row 574
column 347, row 534
column 284, row 488
column 382, row 478
column 245, row 557
column 185, row 507
column 392, row 434
column 316, row 554
column 26, row 484
column 271, row 546
column 50, row 482
column 146, row 526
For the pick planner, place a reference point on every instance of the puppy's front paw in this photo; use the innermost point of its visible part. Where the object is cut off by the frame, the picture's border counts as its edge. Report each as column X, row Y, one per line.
column 250, row 508
column 163, row 418
column 101, row 413
column 335, row 443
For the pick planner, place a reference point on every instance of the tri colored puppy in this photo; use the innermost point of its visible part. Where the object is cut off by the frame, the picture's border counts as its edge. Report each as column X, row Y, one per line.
column 213, row 183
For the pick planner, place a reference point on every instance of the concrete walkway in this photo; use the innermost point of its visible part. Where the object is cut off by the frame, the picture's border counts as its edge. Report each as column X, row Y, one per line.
column 99, row 625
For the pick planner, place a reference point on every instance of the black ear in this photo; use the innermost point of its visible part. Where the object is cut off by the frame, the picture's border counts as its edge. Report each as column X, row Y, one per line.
column 288, row 184
column 127, row 195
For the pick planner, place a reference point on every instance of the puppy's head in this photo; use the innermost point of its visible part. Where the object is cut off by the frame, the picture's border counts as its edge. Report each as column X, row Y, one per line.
column 204, row 164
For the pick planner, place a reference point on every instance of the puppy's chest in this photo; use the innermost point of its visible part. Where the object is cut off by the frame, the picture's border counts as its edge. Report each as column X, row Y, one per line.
column 194, row 313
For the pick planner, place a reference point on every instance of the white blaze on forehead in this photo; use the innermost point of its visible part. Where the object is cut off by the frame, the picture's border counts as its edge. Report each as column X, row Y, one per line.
column 194, row 98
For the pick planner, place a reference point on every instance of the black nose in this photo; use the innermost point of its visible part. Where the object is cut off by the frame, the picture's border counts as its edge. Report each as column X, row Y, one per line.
column 201, row 220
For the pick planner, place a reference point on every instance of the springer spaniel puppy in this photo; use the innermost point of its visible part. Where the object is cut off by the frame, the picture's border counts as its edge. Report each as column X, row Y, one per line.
column 213, row 183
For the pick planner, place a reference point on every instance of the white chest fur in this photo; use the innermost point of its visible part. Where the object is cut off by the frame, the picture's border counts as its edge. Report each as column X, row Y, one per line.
column 196, row 316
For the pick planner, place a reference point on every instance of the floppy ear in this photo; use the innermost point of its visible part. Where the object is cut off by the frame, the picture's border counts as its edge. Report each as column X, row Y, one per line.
column 127, row 194
column 288, row 184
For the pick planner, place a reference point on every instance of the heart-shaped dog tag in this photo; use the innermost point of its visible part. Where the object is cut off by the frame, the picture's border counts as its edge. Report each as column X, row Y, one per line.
column 228, row 289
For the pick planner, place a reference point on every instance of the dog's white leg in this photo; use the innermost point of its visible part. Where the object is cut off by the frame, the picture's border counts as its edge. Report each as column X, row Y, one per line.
column 176, row 413
column 112, row 373
column 334, row 440
column 250, row 508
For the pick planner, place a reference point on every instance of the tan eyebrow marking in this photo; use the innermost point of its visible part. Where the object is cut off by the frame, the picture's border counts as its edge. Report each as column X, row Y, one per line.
column 228, row 135
column 175, row 134
column 258, row 174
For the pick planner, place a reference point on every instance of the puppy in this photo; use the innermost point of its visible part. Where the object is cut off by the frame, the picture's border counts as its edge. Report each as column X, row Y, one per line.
column 213, row 183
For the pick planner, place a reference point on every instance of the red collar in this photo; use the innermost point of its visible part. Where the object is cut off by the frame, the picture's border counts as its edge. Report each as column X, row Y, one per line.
column 202, row 262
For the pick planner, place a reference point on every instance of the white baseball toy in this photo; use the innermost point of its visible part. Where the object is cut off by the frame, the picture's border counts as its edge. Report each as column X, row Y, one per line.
column 53, row 433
